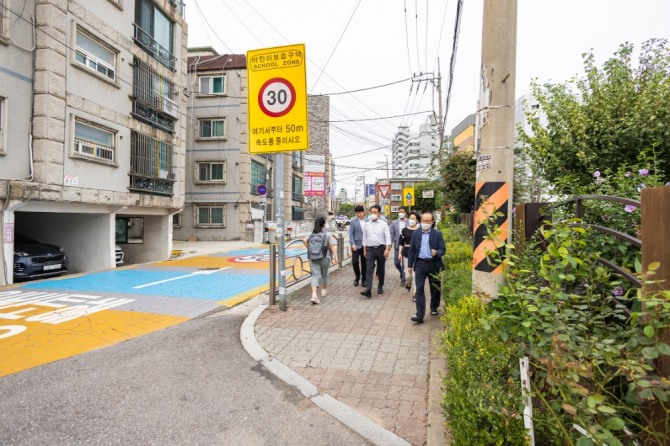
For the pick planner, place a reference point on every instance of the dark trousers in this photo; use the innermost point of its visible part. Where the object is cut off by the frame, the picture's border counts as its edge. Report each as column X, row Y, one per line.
column 423, row 269
column 375, row 255
column 399, row 264
column 359, row 263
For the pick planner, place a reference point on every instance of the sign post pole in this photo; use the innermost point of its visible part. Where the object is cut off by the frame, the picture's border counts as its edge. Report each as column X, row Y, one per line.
column 279, row 168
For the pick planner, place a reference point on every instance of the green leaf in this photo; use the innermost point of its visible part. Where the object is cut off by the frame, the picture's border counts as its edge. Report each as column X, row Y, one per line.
column 531, row 308
column 583, row 441
column 606, row 409
column 653, row 266
column 649, row 331
column 615, row 423
column 650, row 352
column 663, row 348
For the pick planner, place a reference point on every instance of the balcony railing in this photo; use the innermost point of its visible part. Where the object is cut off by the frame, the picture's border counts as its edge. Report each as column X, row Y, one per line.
column 150, row 165
column 155, row 98
column 297, row 197
column 147, row 42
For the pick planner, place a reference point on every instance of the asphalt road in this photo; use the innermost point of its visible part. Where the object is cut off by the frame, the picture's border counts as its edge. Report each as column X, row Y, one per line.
column 190, row 384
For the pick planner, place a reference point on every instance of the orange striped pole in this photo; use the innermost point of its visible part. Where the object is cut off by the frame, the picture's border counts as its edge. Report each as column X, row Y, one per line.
column 495, row 151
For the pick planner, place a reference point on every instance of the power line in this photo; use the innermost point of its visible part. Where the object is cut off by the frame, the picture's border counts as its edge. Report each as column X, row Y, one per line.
column 376, row 119
column 452, row 63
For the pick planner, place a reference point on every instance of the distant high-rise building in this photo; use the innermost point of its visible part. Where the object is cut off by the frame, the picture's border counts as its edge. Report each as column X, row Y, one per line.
column 414, row 154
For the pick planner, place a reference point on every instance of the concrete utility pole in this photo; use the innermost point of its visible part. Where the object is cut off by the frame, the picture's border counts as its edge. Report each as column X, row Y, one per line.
column 495, row 161
column 279, row 182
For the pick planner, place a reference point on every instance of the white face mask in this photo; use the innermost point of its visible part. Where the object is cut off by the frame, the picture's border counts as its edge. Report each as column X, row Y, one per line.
column 426, row 226
column 374, row 217
column 412, row 222
column 401, row 215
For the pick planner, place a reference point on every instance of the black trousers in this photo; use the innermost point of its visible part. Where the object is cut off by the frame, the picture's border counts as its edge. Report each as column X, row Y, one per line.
column 423, row 269
column 375, row 255
column 359, row 263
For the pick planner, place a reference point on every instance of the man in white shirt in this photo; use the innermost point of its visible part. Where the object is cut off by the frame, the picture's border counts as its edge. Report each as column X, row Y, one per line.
column 376, row 248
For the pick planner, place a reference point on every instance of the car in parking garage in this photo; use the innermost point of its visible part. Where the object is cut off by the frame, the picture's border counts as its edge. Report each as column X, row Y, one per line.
column 33, row 259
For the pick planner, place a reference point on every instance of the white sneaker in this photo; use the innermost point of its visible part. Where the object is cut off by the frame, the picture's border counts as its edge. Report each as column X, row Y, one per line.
column 314, row 300
column 324, row 293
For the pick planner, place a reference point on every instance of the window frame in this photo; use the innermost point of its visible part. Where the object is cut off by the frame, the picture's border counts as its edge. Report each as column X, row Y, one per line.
column 93, row 157
column 4, row 21
column 396, row 186
column 199, row 137
column 84, row 66
column 396, row 197
column 3, row 124
column 177, row 220
column 211, row 84
column 199, row 180
column 196, row 215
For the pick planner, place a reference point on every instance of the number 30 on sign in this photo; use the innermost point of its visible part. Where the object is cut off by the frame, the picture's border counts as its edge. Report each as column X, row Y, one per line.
column 276, row 97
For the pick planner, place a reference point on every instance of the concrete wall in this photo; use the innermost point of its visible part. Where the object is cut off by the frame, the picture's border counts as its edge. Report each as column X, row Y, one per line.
column 16, row 83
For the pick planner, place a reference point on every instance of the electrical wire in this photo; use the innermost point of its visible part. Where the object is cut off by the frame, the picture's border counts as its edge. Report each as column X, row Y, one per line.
column 452, row 63
column 409, row 59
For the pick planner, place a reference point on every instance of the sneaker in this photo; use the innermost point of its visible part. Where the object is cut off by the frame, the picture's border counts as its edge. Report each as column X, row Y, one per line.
column 324, row 293
column 414, row 298
column 433, row 312
column 314, row 300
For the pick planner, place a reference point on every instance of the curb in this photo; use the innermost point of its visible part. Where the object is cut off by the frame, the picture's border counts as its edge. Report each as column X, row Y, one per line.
column 354, row 420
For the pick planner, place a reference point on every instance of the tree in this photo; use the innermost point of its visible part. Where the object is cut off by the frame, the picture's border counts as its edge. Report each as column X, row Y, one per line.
column 605, row 119
column 425, row 204
column 346, row 209
column 458, row 180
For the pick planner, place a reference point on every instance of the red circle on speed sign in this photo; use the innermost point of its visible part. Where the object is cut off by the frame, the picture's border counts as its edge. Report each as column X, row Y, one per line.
column 276, row 97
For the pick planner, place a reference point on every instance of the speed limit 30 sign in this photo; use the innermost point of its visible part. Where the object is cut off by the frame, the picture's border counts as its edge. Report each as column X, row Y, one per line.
column 277, row 99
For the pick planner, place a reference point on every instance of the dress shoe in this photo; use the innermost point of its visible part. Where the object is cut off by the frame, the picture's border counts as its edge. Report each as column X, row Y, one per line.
column 356, row 282
column 364, row 285
column 366, row 293
column 402, row 282
column 417, row 319
column 433, row 312
column 380, row 290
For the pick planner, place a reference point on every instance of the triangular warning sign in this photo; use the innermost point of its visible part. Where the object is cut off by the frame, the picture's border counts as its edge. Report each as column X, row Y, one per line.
column 384, row 189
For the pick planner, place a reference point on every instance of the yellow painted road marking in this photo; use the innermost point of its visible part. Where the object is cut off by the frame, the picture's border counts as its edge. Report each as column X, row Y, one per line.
column 43, row 343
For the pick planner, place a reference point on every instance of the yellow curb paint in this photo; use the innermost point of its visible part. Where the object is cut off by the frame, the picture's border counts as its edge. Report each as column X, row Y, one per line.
column 200, row 261
column 42, row 343
column 244, row 296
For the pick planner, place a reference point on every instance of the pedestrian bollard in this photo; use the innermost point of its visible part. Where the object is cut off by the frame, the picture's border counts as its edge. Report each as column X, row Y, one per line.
column 340, row 250
column 273, row 274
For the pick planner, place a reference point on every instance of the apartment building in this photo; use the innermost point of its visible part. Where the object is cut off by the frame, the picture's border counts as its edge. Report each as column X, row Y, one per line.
column 414, row 154
column 93, row 92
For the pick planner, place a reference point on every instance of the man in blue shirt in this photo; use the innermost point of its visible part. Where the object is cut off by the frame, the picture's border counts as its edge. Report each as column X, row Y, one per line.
column 426, row 249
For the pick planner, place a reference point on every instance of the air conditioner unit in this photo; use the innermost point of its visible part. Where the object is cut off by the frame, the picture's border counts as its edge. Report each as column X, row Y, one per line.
column 170, row 107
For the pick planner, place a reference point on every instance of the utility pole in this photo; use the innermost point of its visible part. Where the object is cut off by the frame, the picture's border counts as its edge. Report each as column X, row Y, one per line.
column 495, row 161
column 279, row 182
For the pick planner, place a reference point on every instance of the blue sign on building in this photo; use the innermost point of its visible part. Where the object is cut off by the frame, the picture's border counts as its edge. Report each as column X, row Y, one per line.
column 369, row 190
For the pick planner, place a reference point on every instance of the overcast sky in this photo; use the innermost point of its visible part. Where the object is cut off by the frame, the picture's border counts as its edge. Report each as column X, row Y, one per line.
column 358, row 44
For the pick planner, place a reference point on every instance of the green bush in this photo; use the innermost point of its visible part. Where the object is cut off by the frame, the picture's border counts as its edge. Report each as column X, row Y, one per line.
column 482, row 396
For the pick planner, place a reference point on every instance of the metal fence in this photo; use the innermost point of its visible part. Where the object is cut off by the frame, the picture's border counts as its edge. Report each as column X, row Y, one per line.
column 297, row 265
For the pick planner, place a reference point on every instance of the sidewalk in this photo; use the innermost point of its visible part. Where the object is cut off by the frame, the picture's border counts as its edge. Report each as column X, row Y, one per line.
column 366, row 353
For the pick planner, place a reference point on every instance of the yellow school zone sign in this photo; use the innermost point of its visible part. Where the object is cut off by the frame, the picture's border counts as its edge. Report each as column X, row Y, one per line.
column 408, row 196
column 277, row 98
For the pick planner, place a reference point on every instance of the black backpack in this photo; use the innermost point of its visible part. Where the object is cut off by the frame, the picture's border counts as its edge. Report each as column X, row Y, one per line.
column 317, row 246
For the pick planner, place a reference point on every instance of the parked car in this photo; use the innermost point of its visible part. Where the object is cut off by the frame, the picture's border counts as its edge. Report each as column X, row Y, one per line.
column 33, row 259
column 119, row 255
column 342, row 221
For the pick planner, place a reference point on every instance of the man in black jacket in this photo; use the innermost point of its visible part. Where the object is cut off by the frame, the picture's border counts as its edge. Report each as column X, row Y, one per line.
column 426, row 249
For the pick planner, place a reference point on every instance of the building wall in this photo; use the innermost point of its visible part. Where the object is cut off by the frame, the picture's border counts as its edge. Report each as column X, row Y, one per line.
column 16, row 83
column 318, row 108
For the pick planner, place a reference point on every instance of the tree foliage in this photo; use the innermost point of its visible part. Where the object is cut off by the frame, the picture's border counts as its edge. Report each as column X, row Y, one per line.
column 605, row 118
column 458, row 180
column 426, row 204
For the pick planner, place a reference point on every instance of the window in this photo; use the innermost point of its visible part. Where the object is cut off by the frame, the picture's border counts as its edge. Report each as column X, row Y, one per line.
column 150, row 165
column 257, row 176
column 95, row 56
column 211, row 128
column 396, row 186
column 3, row 123
column 210, row 216
column 154, row 97
column 153, row 32
column 212, row 84
column 176, row 220
column 3, row 15
column 394, row 208
column 211, row 172
column 396, row 197
column 93, row 142
column 297, row 191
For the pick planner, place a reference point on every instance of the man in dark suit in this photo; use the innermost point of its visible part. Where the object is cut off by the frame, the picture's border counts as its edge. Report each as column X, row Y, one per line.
column 356, row 239
column 426, row 249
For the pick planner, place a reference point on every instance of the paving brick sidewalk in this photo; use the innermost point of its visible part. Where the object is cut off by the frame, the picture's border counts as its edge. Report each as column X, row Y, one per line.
column 367, row 353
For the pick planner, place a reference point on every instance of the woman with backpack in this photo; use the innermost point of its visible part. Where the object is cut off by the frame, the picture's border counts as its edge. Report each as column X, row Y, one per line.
column 320, row 249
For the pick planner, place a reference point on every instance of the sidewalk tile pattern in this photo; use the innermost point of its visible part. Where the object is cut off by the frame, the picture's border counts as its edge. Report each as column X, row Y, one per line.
column 364, row 352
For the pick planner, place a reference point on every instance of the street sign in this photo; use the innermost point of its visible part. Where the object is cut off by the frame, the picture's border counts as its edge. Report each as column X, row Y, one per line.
column 262, row 200
column 262, row 189
column 408, row 194
column 428, row 194
column 384, row 189
column 277, row 99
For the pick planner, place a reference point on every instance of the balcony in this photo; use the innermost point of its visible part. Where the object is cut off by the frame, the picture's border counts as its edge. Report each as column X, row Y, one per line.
column 148, row 44
column 150, row 165
column 155, row 99
column 297, row 197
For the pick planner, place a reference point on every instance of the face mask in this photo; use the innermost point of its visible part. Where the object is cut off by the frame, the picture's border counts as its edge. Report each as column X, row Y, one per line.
column 374, row 217
column 412, row 222
column 426, row 226
column 401, row 215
